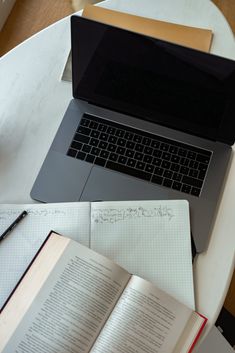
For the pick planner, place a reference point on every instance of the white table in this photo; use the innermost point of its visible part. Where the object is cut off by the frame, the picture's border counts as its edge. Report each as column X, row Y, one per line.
column 33, row 101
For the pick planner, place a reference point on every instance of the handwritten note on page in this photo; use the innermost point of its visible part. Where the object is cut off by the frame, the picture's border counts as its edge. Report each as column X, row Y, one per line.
column 148, row 238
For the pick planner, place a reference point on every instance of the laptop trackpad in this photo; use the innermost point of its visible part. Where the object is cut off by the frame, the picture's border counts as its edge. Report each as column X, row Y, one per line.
column 104, row 184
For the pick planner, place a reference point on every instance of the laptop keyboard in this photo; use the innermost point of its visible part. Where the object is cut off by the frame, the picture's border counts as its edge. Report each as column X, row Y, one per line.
column 139, row 154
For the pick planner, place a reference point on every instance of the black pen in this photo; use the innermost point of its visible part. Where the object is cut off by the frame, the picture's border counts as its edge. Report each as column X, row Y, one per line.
column 12, row 226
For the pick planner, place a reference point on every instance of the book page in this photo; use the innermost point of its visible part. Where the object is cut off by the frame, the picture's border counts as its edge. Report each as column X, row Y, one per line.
column 20, row 246
column 150, row 239
column 71, row 307
column 145, row 319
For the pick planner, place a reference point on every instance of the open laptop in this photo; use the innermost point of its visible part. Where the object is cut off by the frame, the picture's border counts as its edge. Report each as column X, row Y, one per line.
column 149, row 120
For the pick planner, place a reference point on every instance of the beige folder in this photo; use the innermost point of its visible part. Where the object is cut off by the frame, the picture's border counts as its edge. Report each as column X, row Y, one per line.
column 197, row 38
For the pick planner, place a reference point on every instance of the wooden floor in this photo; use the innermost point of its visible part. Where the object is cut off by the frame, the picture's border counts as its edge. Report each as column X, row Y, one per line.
column 30, row 16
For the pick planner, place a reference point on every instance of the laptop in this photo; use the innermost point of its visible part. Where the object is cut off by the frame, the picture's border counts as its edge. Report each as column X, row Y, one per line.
column 148, row 120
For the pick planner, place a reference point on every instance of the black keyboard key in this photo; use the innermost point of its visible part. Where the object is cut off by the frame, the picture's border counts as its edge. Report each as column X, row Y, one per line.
column 157, row 162
column 184, row 161
column 174, row 167
column 85, row 122
column 86, row 148
column 120, row 150
column 103, row 136
column 140, row 165
column 131, row 162
column 201, row 175
column 193, row 173
column 81, row 138
column 165, row 164
column 121, row 142
column 146, row 141
column 167, row 182
column 157, row 179
column 176, row 185
column 149, row 168
column 192, row 181
column 186, row 188
column 128, row 136
column 93, row 125
column 100, row 161
column 111, row 147
column 139, row 156
column 81, row 155
column 184, row 170
column 182, row 152
column 95, row 151
column 103, row 145
column 157, row 153
column 139, row 147
column 155, row 144
column 177, row 177
column 148, row 150
column 84, row 130
column 127, row 170
column 137, row 138
column 112, row 139
column 90, row 158
column 129, row 153
column 104, row 154
column 203, row 158
column 95, row 133
column 195, row 191
column 71, row 152
column 122, row 160
column 191, row 155
column 113, row 157
column 164, row 147
column 102, row 127
column 202, row 167
column 130, row 144
column 173, row 149
column 166, row 156
column 76, row 145
column 111, row 130
column 94, row 142
column 175, row 159
column 168, row 174
column 158, row 171
column 148, row 159
column 119, row 133
column 193, row 164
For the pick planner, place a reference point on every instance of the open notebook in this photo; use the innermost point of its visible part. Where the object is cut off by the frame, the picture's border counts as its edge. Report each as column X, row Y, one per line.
column 149, row 238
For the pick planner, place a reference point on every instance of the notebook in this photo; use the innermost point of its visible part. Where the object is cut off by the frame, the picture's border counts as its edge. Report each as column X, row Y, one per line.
column 148, row 238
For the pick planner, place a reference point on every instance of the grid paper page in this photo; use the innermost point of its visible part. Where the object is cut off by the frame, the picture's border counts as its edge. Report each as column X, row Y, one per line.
column 150, row 239
column 19, row 247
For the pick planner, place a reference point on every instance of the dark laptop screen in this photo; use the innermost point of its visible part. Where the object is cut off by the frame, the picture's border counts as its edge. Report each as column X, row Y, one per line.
column 154, row 80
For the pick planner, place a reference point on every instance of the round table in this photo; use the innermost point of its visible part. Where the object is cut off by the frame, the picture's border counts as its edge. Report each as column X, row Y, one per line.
column 33, row 100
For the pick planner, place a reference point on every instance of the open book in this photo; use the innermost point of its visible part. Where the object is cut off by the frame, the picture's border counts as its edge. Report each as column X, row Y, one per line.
column 149, row 238
column 71, row 299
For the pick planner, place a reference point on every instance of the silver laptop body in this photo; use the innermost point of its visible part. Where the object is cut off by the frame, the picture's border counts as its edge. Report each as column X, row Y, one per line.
column 134, row 94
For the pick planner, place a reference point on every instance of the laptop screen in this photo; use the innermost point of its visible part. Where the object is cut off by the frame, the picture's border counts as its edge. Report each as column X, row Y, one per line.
column 154, row 80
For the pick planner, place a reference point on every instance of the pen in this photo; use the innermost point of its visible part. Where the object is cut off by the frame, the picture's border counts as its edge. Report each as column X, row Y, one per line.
column 12, row 226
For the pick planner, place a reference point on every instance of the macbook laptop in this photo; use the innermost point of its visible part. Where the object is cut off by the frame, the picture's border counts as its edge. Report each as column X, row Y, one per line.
column 148, row 120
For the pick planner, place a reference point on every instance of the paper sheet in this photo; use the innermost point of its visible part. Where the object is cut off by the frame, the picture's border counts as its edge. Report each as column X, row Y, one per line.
column 150, row 239
column 19, row 247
